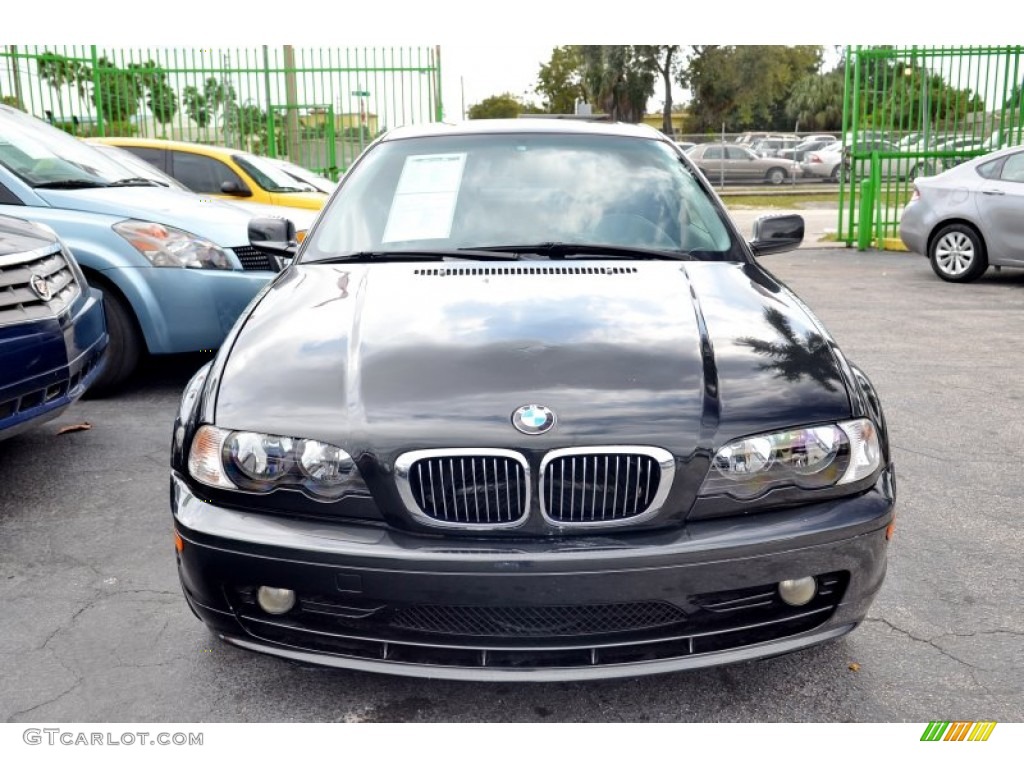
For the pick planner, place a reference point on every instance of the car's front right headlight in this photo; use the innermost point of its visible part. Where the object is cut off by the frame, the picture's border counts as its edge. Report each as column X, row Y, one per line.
column 261, row 463
column 809, row 457
column 167, row 246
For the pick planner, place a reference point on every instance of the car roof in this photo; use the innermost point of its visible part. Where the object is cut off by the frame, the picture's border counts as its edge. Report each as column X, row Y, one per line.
column 524, row 125
column 185, row 146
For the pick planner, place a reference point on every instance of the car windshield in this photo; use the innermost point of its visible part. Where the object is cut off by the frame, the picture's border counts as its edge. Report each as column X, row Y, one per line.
column 44, row 156
column 446, row 193
column 269, row 176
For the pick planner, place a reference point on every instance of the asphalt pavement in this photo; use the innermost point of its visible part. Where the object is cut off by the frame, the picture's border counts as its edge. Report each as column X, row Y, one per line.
column 94, row 627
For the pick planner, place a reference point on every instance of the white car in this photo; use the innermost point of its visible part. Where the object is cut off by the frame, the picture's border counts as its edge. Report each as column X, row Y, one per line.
column 824, row 163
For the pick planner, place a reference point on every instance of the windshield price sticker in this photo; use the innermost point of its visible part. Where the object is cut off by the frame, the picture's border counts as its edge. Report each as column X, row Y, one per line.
column 424, row 204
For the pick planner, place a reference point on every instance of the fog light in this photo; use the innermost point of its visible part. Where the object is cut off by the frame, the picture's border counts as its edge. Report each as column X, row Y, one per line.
column 797, row 592
column 277, row 601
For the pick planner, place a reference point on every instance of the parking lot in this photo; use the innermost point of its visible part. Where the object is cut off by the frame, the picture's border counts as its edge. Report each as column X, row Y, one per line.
column 95, row 627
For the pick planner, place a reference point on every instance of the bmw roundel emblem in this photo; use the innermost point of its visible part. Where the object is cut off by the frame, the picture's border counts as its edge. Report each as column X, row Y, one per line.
column 533, row 419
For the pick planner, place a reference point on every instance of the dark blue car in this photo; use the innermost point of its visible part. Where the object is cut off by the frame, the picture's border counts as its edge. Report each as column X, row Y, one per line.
column 52, row 331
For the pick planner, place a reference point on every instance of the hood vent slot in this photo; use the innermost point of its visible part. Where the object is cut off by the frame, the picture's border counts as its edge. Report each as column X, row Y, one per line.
column 529, row 271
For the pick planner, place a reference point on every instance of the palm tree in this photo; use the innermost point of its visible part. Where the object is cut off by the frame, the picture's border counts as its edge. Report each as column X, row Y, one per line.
column 59, row 71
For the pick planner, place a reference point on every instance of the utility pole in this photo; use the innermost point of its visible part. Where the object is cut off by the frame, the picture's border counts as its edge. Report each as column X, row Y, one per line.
column 291, row 96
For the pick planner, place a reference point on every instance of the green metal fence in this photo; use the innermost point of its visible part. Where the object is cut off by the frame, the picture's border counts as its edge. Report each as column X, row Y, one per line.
column 917, row 111
column 317, row 107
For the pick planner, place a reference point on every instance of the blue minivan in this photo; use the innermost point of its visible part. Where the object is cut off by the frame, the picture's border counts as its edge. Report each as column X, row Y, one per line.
column 52, row 334
column 175, row 269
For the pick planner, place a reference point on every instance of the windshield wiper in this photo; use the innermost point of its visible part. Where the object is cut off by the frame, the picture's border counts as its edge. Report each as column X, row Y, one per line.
column 555, row 250
column 480, row 254
column 70, row 184
column 135, row 181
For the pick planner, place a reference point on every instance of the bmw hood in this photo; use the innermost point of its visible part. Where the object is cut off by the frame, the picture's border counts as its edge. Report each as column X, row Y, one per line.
column 225, row 225
column 398, row 356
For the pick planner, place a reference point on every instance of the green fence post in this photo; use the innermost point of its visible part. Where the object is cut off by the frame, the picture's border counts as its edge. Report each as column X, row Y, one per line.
column 876, row 189
column 95, row 89
column 867, row 209
column 332, row 145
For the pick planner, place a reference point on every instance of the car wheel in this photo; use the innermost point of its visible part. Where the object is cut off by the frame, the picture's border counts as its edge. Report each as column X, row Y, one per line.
column 775, row 176
column 957, row 254
column 834, row 176
column 124, row 346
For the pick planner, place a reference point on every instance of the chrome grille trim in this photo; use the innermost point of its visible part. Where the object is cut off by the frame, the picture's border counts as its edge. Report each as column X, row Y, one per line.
column 18, row 302
column 431, row 474
column 599, row 459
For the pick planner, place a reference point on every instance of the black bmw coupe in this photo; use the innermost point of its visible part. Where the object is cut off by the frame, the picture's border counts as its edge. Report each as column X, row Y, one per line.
column 526, row 406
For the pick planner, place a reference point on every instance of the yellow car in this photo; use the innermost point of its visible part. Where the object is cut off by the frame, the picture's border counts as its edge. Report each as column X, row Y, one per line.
column 222, row 172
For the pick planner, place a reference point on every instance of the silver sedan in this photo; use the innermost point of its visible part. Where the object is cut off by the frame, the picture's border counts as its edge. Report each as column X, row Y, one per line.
column 970, row 217
column 731, row 163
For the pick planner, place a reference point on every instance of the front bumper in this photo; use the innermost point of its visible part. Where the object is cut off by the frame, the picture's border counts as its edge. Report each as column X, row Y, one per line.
column 70, row 349
column 557, row 609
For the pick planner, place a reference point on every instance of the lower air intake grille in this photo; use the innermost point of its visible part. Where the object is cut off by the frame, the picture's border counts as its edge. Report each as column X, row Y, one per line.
column 537, row 621
column 253, row 259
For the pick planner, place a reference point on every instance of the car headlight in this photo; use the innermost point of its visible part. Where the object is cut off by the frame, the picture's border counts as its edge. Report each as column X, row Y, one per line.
column 809, row 457
column 259, row 463
column 170, row 247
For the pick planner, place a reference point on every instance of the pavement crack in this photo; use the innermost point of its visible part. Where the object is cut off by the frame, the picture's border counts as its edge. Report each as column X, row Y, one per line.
column 971, row 668
column 78, row 681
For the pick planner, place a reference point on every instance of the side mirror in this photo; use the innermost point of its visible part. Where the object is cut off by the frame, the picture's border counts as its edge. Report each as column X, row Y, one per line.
column 236, row 189
column 777, row 234
column 273, row 235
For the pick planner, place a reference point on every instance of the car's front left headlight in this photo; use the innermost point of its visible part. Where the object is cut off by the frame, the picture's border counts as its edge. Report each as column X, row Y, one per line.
column 167, row 246
column 810, row 458
column 261, row 463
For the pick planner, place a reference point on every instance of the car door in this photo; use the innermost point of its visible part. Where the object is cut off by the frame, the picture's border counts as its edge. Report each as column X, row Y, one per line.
column 202, row 174
column 713, row 164
column 742, row 164
column 152, row 155
column 1000, row 202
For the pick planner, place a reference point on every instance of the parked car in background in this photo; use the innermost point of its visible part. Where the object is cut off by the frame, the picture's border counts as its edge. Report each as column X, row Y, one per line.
column 772, row 147
column 895, row 167
column 223, row 172
column 52, row 333
column 303, row 218
column 305, row 176
column 733, row 163
column 800, row 151
column 825, row 163
column 685, row 146
column 825, row 138
column 970, row 217
column 174, row 271
column 526, row 406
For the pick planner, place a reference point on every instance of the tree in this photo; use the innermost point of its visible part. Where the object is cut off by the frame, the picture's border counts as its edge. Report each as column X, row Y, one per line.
column 60, row 71
column 816, row 101
column 502, row 105
column 161, row 99
column 202, row 106
column 663, row 61
column 115, row 91
column 745, row 86
column 620, row 79
column 560, row 81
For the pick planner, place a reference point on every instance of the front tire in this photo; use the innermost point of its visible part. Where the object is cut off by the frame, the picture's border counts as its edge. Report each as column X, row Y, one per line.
column 775, row 176
column 834, row 176
column 123, row 349
column 957, row 254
